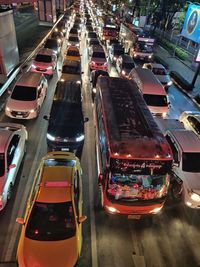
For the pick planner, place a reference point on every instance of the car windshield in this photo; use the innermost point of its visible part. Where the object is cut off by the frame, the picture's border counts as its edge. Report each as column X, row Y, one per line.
column 144, row 47
column 51, row 222
column 71, row 69
column 43, row 58
column 155, row 100
column 2, row 164
column 191, row 162
column 93, row 42
column 118, row 52
column 92, row 35
column 98, row 54
column 128, row 65
column 73, row 39
column 73, row 31
column 159, row 71
column 73, row 53
column 24, row 93
column 51, row 43
column 124, row 186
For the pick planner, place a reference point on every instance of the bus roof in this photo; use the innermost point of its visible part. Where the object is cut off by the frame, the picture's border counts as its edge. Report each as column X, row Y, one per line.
column 130, row 127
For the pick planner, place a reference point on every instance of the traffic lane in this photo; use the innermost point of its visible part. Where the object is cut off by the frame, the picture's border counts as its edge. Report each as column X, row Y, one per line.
column 179, row 102
column 36, row 148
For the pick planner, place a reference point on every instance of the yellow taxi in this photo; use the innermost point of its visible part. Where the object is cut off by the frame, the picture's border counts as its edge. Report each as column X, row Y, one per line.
column 52, row 226
column 72, row 53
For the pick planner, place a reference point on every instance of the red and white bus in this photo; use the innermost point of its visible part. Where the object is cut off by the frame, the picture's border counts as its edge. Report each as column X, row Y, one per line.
column 133, row 157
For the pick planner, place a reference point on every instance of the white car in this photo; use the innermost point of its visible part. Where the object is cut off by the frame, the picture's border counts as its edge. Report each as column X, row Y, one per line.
column 45, row 62
column 27, row 96
column 191, row 121
column 12, row 148
column 160, row 72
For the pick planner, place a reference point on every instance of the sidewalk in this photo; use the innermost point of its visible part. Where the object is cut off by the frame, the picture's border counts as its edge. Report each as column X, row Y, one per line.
column 176, row 65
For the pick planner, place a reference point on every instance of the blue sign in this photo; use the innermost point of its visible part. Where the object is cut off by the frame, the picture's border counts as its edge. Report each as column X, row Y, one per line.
column 191, row 26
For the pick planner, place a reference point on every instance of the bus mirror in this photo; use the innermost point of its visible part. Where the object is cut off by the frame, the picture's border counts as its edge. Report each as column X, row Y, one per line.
column 100, row 180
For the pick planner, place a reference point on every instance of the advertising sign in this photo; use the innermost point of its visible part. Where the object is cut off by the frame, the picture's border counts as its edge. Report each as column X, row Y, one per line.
column 191, row 26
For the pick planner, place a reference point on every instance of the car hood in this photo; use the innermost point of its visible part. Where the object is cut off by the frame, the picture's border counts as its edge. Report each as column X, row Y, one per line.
column 163, row 79
column 191, row 180
column 71, row 77
column 66, row 130
column 19, row 105
column 63, row 253
column 42, row 64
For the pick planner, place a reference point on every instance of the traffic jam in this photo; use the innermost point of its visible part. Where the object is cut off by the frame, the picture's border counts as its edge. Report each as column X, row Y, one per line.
column 142, row 155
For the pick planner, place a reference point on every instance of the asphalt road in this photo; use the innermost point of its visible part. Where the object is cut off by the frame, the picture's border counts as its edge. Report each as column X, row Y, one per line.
column 172, row 239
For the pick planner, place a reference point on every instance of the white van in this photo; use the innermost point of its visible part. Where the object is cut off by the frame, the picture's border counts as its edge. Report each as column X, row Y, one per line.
column 185, row 146
column 152, row 90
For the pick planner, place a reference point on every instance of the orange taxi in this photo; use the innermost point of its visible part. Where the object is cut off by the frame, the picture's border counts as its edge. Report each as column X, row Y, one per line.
column 72, row 53
column 52, row 226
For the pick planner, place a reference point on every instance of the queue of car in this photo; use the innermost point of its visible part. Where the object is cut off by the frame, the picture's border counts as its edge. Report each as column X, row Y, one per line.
column 53, row 217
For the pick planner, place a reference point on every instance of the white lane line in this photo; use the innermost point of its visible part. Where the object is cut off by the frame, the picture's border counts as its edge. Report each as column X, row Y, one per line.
column 13, row 230
column 92, row 215
column 138, row 259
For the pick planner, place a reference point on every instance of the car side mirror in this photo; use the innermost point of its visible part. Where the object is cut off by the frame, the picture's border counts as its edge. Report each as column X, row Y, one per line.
column 175, row 164
column 20, row 221
column 82, row 218
column 86, row 119
column 12, row 166
column 9, row 91
column 45, row 117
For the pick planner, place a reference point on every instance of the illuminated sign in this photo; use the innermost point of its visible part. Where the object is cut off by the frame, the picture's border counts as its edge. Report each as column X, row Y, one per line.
column 191, row 26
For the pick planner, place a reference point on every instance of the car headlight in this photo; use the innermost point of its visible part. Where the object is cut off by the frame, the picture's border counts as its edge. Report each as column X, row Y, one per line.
column 195, row 197
column 80, row 138
column 33, row 66
column 69, row 43
column 94, row 90
column 7, row 108
column 106, row 63
column 150, row 56
column 135, row 55
column 114, row 58
column 49, row 68
column 59, row 41
column 77, row 45
column 50, row 137
column 33, row 110
column 123, row 72
column 169, row 83
column 164, row 114
column 78, row 82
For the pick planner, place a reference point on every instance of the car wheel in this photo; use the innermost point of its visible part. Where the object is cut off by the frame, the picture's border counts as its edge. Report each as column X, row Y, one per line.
column 10, row 190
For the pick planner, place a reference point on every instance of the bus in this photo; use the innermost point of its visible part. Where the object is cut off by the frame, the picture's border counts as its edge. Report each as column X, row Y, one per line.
column 134, row 159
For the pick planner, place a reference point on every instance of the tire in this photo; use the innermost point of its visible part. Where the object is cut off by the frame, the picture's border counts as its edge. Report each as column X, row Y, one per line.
column 10, row 191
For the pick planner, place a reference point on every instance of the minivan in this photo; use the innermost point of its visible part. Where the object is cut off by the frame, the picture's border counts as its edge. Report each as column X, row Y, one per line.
column 27, row 96
column 66, row 122
column 152, row 90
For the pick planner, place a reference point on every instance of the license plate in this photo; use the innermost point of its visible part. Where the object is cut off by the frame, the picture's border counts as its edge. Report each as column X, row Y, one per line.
column 19, row 116
column 134, row 216
column 64, row 149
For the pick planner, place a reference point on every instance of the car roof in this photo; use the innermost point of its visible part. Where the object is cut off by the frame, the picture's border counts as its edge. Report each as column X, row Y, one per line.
column 187, row 139
column 156, row 65
column 5, row 135
column 151, row 84
column 52, row 178
column 29, row 79
column 68, row 91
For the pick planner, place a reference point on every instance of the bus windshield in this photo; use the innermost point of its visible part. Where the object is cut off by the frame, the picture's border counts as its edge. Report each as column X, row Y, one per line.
column 132, row 186
column 138, row 179
column 144, row 47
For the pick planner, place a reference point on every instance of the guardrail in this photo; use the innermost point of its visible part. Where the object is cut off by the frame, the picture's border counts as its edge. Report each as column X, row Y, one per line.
column 19, row 68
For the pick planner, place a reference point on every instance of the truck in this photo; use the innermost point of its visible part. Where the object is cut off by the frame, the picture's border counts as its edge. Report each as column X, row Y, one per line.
column 138, row 44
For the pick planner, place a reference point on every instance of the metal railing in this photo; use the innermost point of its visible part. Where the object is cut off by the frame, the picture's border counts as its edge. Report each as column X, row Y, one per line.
column 20, row 67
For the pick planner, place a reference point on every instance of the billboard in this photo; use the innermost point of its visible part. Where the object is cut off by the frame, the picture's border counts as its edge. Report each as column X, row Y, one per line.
column 191, row 26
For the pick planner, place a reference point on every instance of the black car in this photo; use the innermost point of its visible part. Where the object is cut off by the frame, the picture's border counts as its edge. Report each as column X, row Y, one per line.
column 93, row 80
column 59, row 36
column 61, row 26
column 66, row 122
column 53, row 44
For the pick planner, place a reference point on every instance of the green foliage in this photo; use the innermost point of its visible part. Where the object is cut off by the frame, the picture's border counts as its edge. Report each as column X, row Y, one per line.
column 179, row 52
